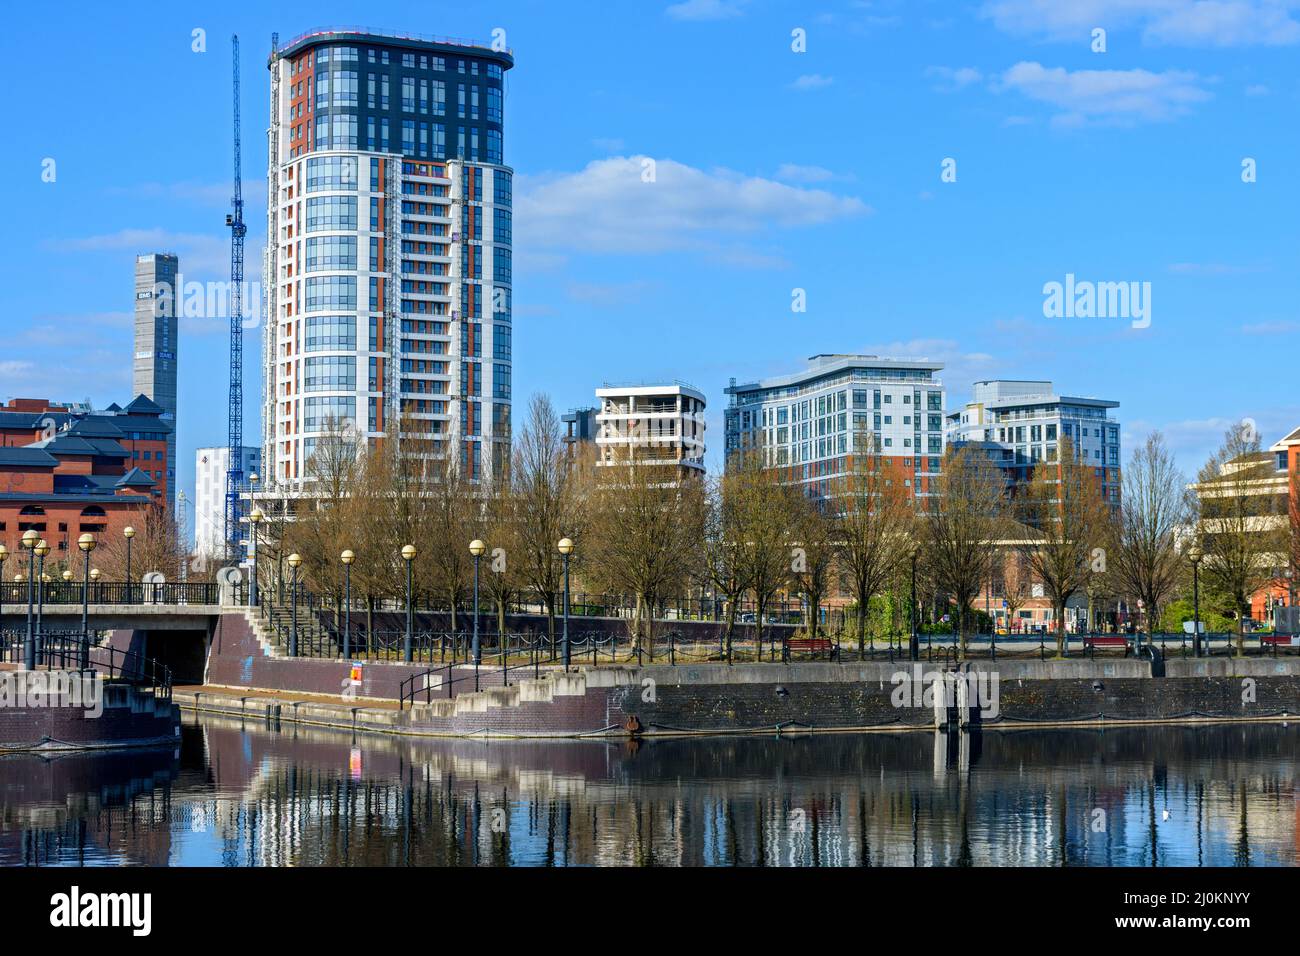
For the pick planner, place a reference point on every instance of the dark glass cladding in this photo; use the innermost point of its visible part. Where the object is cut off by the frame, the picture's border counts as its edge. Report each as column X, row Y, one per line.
column 422, row 99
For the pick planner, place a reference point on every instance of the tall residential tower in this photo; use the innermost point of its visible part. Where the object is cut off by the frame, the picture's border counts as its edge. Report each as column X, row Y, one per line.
column 388, row 261
column 153, row 372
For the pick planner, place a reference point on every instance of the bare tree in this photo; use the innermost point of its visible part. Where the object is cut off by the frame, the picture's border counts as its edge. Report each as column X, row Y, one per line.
column 723, row 565
column 961, row 523
column 547, row 493
column 816, row 536
column 645, row 529
column 874, row 529
column 1144, row 556
column 767, row 509
column 1241, row 523
column 1063, row 508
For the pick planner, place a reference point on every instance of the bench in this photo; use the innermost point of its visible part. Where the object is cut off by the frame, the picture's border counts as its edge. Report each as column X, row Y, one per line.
column 814, row 645
column 1281, row 640
column 1093, row 641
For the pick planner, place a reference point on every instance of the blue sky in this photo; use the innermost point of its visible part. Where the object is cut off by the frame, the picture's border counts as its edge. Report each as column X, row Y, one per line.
column 775, row 170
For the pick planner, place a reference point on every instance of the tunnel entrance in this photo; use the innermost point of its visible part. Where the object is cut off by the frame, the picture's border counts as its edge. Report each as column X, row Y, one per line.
column 185, row 652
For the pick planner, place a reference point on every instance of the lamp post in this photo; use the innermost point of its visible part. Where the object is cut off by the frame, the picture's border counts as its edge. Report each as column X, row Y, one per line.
column 408, row 555
column 30, row 540
column 476, row 548
column 128, row 532
column 347, row 557
column 913, row 642
column 1196, row 556
column 295, row 559
column 42, row 549
column 87, row 544
column 254, row 519
column 566, row 548
column 4, row 556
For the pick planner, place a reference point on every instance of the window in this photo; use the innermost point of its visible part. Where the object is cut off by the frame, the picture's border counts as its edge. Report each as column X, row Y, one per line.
column 332, row 212
column 319, row 414
column 331, row 172
column 501, row 381
column 330, row 373
column 331, row 252
column 331, row 292
column 325, row 332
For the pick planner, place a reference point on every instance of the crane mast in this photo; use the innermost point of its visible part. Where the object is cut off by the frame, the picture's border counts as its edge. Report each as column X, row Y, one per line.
column 235, row 424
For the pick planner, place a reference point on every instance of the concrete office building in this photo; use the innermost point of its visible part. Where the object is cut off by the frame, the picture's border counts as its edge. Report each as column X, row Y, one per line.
column 210, row 468
column 388, row 266
column 813, row 422
column 1022, row 423
column 157, row 337
column 651, row 424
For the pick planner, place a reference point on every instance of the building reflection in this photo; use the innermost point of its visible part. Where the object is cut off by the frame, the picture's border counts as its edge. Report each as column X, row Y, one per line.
column 251, row 795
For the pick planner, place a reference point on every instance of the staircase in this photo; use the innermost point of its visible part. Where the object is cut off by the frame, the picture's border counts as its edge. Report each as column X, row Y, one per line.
column 273, row 627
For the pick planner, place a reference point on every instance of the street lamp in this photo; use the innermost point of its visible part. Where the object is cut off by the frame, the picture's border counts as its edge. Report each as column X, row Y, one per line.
column 254, row 518
column 913, row 642
column 4, row 556
column 41, row 549
column 94, row 577
column 1195, row 556
column 87, row 544
column 128, row 532
column 347, row 557
column 408, row 555
column 566, row 548
column 476, row 548
column 29, row 541
column 295, row 559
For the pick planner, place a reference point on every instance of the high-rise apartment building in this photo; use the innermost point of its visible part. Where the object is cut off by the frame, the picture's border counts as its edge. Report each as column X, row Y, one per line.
column 388, row 264
column 813, row 422
column 651, row 424
column 153, row 371
column 210, row 468
column 1022, row 423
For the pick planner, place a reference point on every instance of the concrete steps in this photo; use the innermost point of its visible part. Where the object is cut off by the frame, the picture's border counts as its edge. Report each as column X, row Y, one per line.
column 527, row 691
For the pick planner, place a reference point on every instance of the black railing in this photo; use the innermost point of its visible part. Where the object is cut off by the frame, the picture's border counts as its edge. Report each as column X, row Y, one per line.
column 14, row 594
column 68, row 650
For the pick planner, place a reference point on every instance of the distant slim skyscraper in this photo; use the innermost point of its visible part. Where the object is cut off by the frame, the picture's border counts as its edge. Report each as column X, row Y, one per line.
column 156, row 339
column 388, row 265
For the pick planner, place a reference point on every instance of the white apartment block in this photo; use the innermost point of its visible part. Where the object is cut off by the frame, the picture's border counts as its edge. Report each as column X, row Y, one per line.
column 659, row 424
column 814, row 421
column 388, row 262
column 1022, row 423
column 210, row 468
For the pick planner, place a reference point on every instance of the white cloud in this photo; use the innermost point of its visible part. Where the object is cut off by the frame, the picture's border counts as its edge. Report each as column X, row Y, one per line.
column 608, row 207
column 1108, row 96
column 608, row 293
column 794, row 173
column 811, row 81
column 1197, row 23
column 706, row 9
column 952, row 79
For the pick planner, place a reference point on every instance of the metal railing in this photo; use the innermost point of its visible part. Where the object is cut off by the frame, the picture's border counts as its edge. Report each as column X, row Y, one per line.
column 70, row 650
column 175, row 593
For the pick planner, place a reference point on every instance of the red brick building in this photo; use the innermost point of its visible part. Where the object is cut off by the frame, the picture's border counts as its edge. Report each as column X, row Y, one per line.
column 64, row 472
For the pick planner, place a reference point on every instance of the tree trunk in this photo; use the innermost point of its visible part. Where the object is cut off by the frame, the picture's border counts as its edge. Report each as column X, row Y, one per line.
column 370, row 620
column 862, row 626
column 1061, row 650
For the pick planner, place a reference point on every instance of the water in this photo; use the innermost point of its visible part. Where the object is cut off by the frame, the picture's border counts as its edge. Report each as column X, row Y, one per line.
column 237, row 794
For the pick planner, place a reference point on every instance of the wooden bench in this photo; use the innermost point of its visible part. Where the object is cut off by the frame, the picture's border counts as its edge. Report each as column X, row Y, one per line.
column 1093, row 641
column 1281, row 640
column 813, row 645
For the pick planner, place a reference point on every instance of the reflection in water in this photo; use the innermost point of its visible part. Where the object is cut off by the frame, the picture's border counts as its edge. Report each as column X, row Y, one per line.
column 244, row 794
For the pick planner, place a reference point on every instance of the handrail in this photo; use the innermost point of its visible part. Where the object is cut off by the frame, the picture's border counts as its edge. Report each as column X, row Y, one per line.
column 70, row 650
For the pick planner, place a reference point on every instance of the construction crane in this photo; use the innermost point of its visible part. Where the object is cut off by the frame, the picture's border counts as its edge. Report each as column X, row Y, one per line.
column 235, row 424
